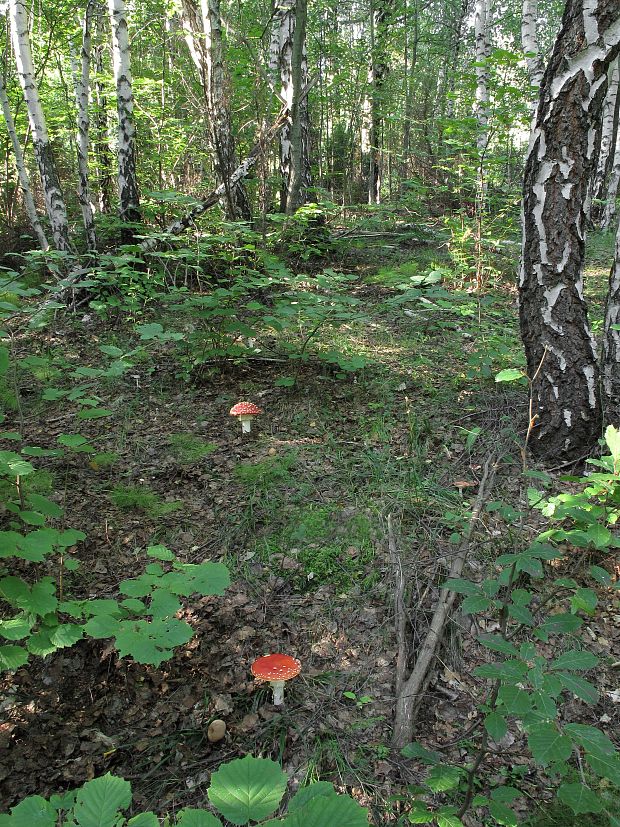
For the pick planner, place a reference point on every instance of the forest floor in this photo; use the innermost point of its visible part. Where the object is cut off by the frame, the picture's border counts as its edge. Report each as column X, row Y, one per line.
column 298, row 512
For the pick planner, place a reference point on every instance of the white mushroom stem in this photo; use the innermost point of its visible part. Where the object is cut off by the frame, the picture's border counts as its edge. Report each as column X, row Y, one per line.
column 246, row 422
column 278, row 692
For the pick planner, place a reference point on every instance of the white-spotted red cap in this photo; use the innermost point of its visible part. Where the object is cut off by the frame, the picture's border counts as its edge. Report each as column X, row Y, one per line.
column 276, row 668
column 245, row 409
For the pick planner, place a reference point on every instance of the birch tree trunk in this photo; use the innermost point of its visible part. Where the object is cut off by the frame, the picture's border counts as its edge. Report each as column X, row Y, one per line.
column 202, row 30
column 529, row 41
column 103, row 153
column 22, row 172
column 292, row 61
column 129, row 200
column 609, row 213
column 611, row 345
column 218, row 89
column 559, row 345
column 609, row 133
column 81, row 77
column 50, row 182
column 380, row 15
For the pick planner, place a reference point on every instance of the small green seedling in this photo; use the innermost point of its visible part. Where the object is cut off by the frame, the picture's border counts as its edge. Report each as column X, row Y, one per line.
column 360, row 700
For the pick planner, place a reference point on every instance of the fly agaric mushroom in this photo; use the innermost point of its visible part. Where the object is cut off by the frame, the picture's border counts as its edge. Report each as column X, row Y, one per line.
column 245, row 412
column 277, row 669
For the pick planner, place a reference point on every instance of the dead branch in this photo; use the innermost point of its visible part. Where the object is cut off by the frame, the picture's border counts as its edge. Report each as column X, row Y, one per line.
column 411, row 690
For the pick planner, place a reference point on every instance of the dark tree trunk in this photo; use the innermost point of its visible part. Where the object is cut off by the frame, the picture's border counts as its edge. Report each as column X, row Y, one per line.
column 561, row 157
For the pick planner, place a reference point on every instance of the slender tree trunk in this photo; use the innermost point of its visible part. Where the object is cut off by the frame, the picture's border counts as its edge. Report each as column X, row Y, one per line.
column 559, row 345
column 103, row 153
column 529, row 41
column 221, row 121
column 481, row 111
column 609, row 134
column 24, row 180
column 129, row 200
column 292, row 62
column 52, row 192
column 611, row 345
column 299, row 173
column 609, row 213
column 81, row 75
column 380, row 16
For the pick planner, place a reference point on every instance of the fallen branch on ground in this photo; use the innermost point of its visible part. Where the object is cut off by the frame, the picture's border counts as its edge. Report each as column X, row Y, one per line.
column 409, row 690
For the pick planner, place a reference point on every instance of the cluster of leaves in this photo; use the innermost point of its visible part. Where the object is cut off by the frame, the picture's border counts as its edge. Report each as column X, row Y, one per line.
column 246, row 790
column 538, row 614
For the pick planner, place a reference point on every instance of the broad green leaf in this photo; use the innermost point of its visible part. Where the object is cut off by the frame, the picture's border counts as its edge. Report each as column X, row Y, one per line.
column 443, row 778
column 160, row 553
column 33, row 811
column 580, row 799
column 516, row 700
column 12, row 657
column 561, row 624
column 196, row 818
column 98, row 801
column 306, row 794
column 495, row 725
column 612, row 438
column 576, row 659
column 590, row 738
column 17, row 628
column 163, row 604
column 584, row 600
column 41, row 643
column 509, row 375
column 476, row 603
column 579, row 687
column 607, row 766
column 548, row 744
column 461, row 586
column 600, row 575
column 102, row 626
column 94, row 413
column 248, row 789
column 327, row 811
column 420, row 813
column 45, row 506
column 147, row 820
column 445, row 818
column 67, row 634
column 503, row 814
column 416, row 750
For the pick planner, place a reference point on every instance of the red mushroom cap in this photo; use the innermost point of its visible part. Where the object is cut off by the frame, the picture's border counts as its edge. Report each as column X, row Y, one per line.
column 276, row 668
column 245, row 409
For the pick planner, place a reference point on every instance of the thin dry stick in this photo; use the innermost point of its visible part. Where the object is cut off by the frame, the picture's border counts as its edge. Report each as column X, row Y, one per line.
column 400, row 619
column 533, row 416
column 409, row 697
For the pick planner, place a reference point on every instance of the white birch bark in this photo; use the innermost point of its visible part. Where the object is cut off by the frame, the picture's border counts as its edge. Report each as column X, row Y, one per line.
column 24, row 179
column 609, row 212
column 610, row 363
column 606, row 146
column 481, row 105
column 81, row 79
column 50, row 182
column 127, row 175
column 529, row 41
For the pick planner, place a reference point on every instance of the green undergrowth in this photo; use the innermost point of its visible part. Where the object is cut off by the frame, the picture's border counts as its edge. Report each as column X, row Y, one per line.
column 140, row 498
column 188, row 448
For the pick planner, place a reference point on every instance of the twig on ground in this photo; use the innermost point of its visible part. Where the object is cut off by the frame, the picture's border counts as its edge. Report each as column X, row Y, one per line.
column 411, row 690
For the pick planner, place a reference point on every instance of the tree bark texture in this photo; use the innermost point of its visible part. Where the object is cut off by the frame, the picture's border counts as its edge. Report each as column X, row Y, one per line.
column 50, row 181
column 22, row 172
column 529, row 42
column 609, row 212
column 293, row 66
column 380, row 16
column 81, row 75
column 129, row 199
column 609, row 134
column 103, row 153
column 611, row 345
column 561, row 156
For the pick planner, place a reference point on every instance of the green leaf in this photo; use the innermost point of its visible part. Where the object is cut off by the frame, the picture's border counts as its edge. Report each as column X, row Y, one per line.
column 509, row 375
column 12, row 657
column 584, row 600
column 149, row 820
column 248, row 789
column 163, row 604
column 503, row 814
column 443, row 778
column 99, row 801
column 600, row 575
column 590, row 738
column 561, row 624
column 580, row 799
column 102, row 626
column 416, row 750
column 45, row 506
column 612, row 438
column 461, row 586
column 495, row 725
column 607, row 766
column 516, row 700
column 94, row 413
column 446, row 818
column 327, row 811
column 33, row 811
column 475, row 603
column 576, row 659
column 306, row 794
column 160, row 553
column 66, row 634
column 420, row 813
column 579, row 687
column 196, row 818
column 17, row 628
column 549, row 745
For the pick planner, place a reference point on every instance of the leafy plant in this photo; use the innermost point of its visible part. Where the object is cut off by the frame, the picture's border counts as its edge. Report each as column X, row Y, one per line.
column 244, row 791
